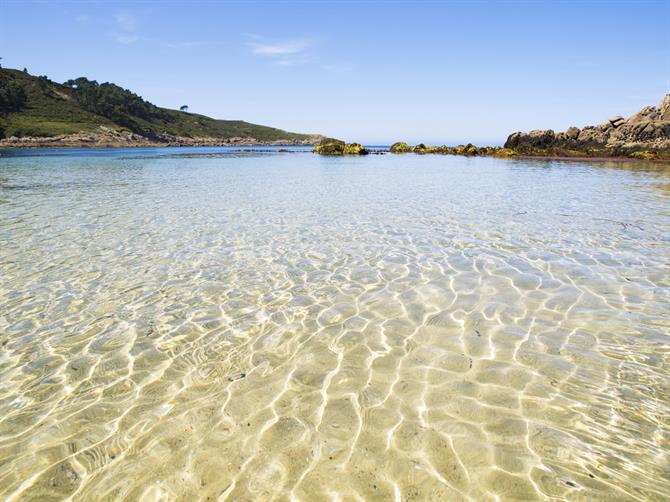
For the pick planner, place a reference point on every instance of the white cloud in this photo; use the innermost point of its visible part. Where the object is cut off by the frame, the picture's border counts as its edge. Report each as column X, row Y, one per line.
column 282, row 48
column 292, row 52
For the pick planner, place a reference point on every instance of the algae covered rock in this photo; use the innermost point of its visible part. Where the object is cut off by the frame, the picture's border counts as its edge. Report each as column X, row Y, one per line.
column 504, row 153
column 644, row 155
column 400, row 147
column 470, row 149
column 355, row 149
column 467, row 150
column 330, row 146
column 420, row 148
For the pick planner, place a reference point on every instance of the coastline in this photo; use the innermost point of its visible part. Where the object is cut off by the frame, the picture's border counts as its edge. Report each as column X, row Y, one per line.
column 55, row 142
column 114, row 139
column 334, row 147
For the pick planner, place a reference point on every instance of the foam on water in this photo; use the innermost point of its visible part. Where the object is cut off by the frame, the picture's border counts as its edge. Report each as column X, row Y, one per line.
column 285, row 326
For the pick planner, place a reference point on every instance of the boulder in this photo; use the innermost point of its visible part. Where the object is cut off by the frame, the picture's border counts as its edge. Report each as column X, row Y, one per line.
column 572, row 133
column 330, row 146
column 513, row 140
column 616, row 121
column 646, row 131
column 664, row 108
column 533, row 139
column 471, row 149
column 400, row 147
column 646, row 114
column 355, row 149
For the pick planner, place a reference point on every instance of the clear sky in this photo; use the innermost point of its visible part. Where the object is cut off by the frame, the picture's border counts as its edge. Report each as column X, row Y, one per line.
column 374, row 72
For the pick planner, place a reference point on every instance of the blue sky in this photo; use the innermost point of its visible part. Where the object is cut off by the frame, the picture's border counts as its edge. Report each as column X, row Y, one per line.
column 375, row 72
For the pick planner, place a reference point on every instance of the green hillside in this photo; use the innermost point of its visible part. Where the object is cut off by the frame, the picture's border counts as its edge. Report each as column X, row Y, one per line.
column 37, row 106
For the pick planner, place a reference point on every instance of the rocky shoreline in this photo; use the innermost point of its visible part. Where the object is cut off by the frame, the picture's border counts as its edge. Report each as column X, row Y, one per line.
column 643, row 136
column 105, row 137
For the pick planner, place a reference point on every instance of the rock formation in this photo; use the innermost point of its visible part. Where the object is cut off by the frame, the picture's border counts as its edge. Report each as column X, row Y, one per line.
column 400, row 147
column 645, row 134
column 468, row 150
column 354, row 149
column 331, row 146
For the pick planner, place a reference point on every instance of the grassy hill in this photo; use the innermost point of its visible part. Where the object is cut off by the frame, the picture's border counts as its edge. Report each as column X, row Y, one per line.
column 37, row 106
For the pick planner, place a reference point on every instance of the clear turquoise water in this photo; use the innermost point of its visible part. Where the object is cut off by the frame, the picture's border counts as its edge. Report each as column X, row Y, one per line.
column 180, row 324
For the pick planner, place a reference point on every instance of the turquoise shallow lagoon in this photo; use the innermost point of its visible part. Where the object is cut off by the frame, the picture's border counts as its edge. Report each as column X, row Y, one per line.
column 216, row 324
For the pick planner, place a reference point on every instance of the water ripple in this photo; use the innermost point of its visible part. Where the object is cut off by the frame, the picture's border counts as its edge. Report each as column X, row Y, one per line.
column 236, row 326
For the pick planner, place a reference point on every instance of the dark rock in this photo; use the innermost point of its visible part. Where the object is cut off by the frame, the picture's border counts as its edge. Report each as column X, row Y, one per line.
column 534, row 139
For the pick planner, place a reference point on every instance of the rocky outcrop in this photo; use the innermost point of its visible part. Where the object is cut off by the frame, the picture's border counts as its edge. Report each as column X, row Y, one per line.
column 645, row 134
column 400, row 147
column 355, row 149
column 330, row 146
column 336, row 147
column 105, row 137
column 468, row 150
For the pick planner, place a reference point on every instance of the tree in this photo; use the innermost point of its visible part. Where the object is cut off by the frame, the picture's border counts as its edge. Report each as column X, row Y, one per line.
column 117, row 104
column 43, row 83
column 12, row 95
column 183, row 108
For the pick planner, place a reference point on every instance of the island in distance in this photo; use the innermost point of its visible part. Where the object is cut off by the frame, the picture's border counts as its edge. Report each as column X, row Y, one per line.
column 38, row 112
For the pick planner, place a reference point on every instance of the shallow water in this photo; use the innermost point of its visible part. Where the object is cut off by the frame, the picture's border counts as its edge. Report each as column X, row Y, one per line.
column 274, row 326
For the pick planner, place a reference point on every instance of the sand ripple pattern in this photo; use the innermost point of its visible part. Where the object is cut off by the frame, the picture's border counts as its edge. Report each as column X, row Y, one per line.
column 287, row 327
